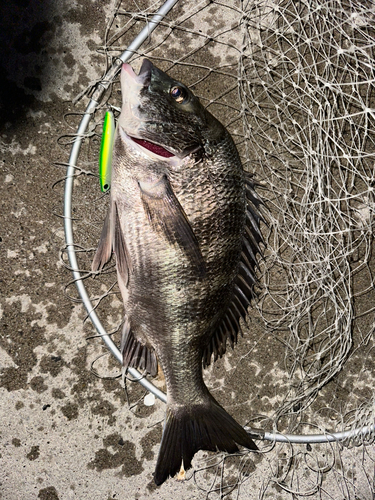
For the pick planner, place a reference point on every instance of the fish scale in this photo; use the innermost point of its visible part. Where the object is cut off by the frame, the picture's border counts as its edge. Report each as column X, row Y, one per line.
column 185, row 254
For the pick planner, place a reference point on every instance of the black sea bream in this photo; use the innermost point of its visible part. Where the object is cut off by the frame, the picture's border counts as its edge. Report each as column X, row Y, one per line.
column 183, row 223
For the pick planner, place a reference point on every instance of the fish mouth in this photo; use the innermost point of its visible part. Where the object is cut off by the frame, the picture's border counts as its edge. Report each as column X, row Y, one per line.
column 131, row 85
column 144, row 76
column 154, row 148
column 131, row 79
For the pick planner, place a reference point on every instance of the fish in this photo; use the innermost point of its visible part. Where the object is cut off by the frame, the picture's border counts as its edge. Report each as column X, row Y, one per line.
column 184, row 224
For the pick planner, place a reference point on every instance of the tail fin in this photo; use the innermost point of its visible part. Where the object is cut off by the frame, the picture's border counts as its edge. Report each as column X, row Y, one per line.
column 198, row 427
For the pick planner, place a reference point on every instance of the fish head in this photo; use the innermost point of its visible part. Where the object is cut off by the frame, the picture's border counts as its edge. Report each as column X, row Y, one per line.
column 162, row 115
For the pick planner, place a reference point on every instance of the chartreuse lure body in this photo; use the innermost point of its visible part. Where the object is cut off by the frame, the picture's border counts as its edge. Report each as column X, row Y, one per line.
column 106, row 148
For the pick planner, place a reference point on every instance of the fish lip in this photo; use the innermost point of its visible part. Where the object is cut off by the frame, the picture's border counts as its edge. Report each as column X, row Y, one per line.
column 144, row 75
column 146, row 68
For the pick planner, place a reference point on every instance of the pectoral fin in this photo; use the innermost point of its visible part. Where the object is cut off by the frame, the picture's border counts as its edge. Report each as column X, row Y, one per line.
column 112, row 239
column 166, row 214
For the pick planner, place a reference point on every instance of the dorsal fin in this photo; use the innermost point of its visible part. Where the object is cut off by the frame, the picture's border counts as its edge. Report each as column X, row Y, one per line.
column 243, row 286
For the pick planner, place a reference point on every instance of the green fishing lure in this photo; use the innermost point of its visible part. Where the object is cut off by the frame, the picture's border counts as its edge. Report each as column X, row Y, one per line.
column 106, row 148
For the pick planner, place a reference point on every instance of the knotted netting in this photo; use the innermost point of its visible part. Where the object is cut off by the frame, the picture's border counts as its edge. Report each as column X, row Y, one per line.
column 307, row 95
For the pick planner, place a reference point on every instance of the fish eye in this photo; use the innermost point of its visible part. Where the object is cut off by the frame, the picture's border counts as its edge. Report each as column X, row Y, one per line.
column 179, row 94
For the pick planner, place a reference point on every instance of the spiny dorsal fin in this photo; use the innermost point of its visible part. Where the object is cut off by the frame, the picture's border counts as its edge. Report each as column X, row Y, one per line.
column 246, row 280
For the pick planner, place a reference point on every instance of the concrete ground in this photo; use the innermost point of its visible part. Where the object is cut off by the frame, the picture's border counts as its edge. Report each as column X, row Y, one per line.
column 68, row 427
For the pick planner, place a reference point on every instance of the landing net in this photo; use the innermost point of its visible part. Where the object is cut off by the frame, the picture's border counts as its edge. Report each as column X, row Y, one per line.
column 294, row 83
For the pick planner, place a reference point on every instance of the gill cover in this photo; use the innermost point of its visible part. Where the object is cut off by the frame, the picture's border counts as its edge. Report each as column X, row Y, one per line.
column 106, row 148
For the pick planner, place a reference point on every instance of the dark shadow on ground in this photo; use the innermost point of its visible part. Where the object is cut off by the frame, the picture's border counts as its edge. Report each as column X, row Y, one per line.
column 25, row 28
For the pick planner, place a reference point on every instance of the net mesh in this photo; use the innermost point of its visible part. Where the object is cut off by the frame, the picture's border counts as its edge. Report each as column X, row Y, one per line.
column 294, row 83
column 307, row 91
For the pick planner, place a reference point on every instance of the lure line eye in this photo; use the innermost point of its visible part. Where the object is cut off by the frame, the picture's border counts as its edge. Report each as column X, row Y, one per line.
column 178, row 94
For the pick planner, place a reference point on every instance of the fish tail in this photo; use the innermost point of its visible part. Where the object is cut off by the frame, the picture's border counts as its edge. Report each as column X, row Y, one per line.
column 188, row 429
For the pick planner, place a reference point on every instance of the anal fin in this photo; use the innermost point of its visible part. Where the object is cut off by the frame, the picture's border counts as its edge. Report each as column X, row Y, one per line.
column 136, row 354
